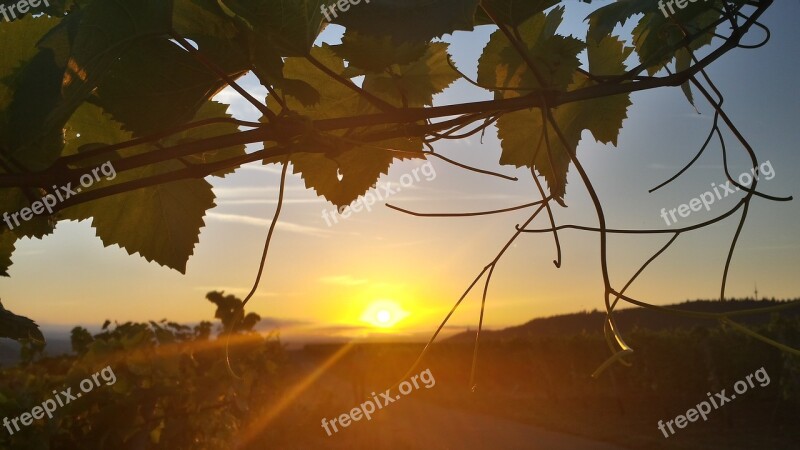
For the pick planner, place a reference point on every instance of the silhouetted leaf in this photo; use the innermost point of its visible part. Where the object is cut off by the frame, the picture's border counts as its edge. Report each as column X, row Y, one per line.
column 17, row 327
column 409, row 20
column 7, row 241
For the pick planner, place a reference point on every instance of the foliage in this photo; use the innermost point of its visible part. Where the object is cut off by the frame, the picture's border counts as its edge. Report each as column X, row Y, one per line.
column 88, row 76
column 172, row 390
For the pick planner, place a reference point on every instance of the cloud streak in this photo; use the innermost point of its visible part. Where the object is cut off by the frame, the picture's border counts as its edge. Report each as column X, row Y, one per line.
column 259, row 222
column 344, row 280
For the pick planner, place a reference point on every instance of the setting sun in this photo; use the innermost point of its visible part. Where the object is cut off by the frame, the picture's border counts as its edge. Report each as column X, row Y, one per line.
column 384, row 314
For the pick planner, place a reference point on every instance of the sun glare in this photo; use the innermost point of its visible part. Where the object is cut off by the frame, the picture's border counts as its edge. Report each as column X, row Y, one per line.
column 383, row 314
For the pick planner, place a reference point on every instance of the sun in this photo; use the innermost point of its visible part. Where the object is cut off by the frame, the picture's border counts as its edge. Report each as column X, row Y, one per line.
column 384, row 314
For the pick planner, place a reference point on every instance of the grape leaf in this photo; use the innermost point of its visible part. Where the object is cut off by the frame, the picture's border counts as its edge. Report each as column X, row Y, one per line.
column 37, row 91
column 376, row 53
column 268, row 67
column 683, row 60
column 18, row 118
column 7, row 241
column 554, row 56
column 604, row 116
column 89, row 126
column 359, row 166
column 12, row 201
column 157, row 85
column 17, row 45
column 603, row 20
column 414, row 84
column 161, row 223
column 256, row 27
column 291, row 26
column 655, row 34
column 18, row 327
column 106, row 29
column 511, row 12
column 94, row 37
column 524, row 135
column 430, row 18
column 193, row 18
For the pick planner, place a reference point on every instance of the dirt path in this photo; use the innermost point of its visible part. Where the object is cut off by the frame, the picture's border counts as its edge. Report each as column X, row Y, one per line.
column 411, row 424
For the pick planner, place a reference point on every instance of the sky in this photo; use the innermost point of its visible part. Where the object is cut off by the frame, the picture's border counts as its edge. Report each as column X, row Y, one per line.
column 334, row 281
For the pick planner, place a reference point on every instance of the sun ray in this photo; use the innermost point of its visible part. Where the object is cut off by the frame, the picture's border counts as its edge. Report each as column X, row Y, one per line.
column 260, row 423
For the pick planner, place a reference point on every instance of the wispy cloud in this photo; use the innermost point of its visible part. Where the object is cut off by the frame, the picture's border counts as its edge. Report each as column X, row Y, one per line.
column 29, row 253
column 267, row 201
column 272, row 323
column 344, row 280
column 660, row 166
column 238, row 290
column 400, row 244
column 238, row 106
column 251, row 191
column 698, row 116
column 262, row 168
column 259, row 222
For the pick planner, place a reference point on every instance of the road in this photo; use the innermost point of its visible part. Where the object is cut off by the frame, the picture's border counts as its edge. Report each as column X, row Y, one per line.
column 411, row 424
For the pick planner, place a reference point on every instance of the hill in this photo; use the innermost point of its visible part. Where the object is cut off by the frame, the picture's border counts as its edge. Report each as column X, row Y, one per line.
column 628, row 319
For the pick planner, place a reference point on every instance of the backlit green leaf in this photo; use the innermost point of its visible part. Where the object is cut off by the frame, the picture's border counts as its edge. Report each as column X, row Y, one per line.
column 554, row 58
column 358, row 166
column 376, row 53
column 414, row 84
column 524, row 135
column 161, row 223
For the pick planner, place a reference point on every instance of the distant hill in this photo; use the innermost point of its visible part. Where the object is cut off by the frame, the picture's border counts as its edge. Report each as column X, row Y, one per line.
column 628, row 319
column 56, row 345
